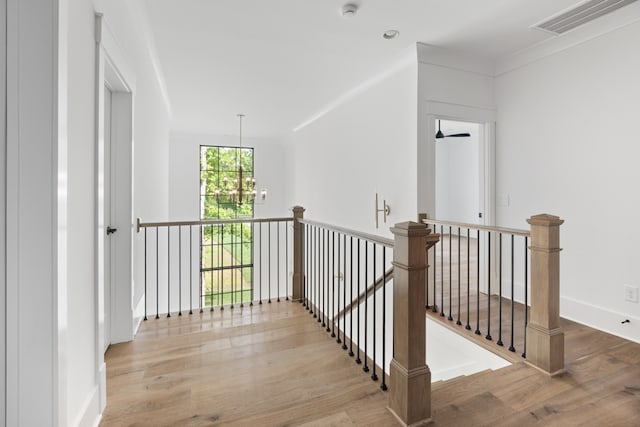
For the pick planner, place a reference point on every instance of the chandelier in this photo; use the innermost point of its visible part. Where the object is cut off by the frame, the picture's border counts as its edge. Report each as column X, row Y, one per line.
column 239, row 190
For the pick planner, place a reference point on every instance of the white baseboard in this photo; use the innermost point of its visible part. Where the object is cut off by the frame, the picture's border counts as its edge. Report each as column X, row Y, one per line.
column 90, row 414
column 138, row 315
column 601, row 318
column 102, row 377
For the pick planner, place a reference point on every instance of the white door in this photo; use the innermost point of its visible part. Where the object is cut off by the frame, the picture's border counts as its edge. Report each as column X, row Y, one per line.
column 107, row 217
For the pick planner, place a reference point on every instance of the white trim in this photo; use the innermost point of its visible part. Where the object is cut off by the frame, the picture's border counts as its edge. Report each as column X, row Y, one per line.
column 102, row 387
column 448, row 58
column 90, row 414
column 32, row 213
column 600, row 318
column 3, row 205
column 114, row 53
column 138, row 315
column 460, row 112
column 112, row 69
column 621, row 18
column 63, row 122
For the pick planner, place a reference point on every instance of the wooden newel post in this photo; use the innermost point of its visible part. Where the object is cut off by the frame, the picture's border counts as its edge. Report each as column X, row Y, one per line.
column 298, row 256
column 409, row 376
column 545, row 340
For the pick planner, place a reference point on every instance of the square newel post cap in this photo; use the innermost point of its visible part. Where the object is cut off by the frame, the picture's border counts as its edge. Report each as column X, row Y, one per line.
column 298, row 211
column 410, row 229
column 545, row 220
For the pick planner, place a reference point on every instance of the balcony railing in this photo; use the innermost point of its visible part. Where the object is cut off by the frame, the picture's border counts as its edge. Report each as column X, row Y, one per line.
column 342, row 279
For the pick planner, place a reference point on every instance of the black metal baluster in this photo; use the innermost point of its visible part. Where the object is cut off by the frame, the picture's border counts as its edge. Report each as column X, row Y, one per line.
column 332, row 309
column 344, row 293
column 477, row 331
column 278, row 257
column 286, row 261
column 269, row 259
column 313, row 270
column 260, row 261
column 458, row 322
column 190, row 269
column 374, row 377
column 316, row 314
column 327, row 281
column 526, row 295
column 337, row 318
column 435, row 266
column 358, row 361
column 441, row 272
column 233, row 267
column 351, row 297
column 306, row 267
column 241, row 265
column 157, row 276
column 511, row 347
column 179, row 270
column 426, row 282
column 450, row 277
column 168, row 271
column 468, row 326
column 500, row 292
column 488, row 336
column 221, row 270
column 383, row 386
column 145, row 273
column 200, row 268
column 325, row 258
column 366, row 303
column 253, row 264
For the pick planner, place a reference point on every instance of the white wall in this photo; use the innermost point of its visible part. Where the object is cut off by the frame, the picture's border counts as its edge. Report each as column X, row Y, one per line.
column 150, row 179
column 567, row 145
column 457, row 171
column 363, row 146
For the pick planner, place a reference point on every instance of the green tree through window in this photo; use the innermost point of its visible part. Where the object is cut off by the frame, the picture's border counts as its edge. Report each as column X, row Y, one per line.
column 226, row 251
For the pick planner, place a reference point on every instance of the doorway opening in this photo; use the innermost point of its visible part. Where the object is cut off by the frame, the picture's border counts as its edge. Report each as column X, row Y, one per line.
column 459, row 172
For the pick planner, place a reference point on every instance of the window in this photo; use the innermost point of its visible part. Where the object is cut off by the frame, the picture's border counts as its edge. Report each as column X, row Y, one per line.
column 226, row 251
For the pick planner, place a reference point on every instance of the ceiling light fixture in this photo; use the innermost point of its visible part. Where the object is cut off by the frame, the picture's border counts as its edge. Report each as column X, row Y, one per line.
column 239, row 191
column 349, row 10
column 391, row 34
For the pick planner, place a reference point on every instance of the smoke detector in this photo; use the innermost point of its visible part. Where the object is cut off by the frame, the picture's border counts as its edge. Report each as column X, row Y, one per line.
column 349, row 10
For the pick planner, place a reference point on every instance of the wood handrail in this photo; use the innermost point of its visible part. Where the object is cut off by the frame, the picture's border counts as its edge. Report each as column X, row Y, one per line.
column 364, row 236
column 377, row 285
column 504, row 230
column 140, row 224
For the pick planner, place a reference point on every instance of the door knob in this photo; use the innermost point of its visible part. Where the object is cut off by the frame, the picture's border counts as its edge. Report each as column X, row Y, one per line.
column 111, row 230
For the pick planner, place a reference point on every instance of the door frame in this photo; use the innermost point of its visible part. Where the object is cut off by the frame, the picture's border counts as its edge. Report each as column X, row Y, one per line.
column 3, row 201
column 433, row 111
column 429, row 112
column 112, row 70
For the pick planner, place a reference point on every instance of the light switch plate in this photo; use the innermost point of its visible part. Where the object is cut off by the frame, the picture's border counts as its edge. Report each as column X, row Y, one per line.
column 631, row 293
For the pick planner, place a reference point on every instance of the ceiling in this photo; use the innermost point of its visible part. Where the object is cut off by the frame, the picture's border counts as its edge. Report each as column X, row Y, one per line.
column 281, row 61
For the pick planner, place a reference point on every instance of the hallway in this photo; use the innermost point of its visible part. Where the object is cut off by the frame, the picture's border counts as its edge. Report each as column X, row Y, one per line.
column 270, row 365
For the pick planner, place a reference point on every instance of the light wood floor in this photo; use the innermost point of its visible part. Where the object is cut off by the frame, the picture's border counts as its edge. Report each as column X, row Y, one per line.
column 272, row 365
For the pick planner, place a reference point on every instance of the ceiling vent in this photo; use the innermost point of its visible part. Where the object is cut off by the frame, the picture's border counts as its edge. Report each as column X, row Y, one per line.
column 580, row 14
